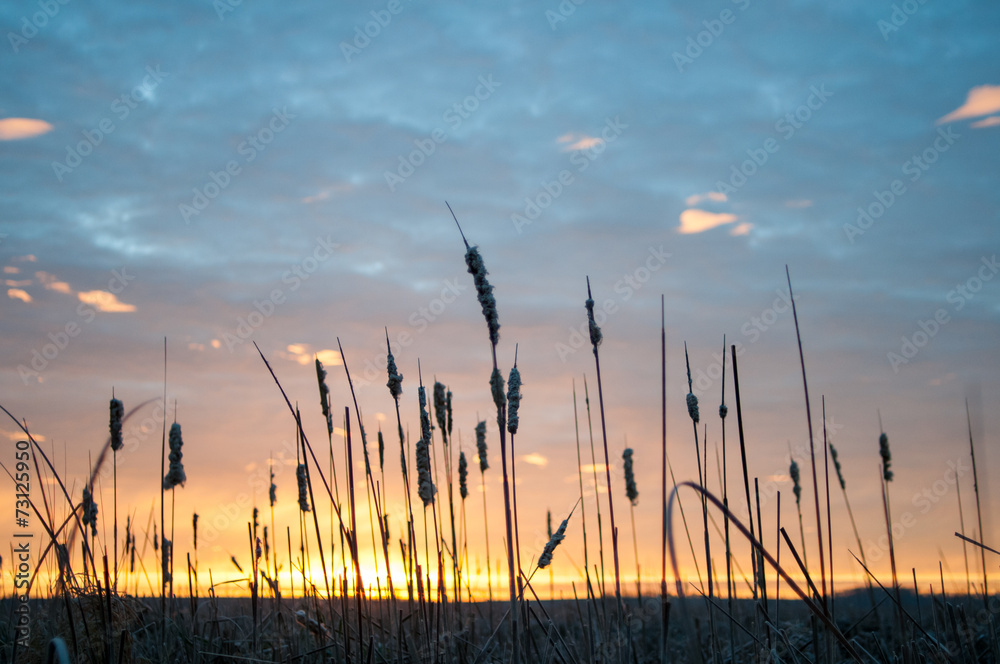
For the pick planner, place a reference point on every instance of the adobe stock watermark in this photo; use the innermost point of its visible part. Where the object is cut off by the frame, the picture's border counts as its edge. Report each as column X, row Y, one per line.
column 43, row 356
column 704, row 378
column 624, row 288
column 698, row 43
column 562, row 13
column 293, row 278
column 418, row 321
column 898, row 17
column 121, row 107
column 223, row 7
column 364, row 34
column 786, row 127
column 958, row 297
column 552, row 190
column 914, row 168
column 456, row 114
column 31, row 25
column 249, row 148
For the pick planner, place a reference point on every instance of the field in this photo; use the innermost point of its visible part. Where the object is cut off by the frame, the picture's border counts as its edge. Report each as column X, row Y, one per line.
column 308, row 595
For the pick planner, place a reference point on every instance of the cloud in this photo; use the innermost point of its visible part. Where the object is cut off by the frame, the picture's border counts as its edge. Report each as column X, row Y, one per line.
column 982, row 100
column 988, row 122
column 535, row 459
column 697, row 221
column 578, row 142
column 303, row 354
column 18, row 294
column 716, row 196
column 51, row 282
column 741, row 229
column 105, row 301
column 13, row 129
column 799, row 203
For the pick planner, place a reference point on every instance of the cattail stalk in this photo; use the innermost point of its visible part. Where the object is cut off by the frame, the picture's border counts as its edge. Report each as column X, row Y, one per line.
column 117, row 411
column 484, row 463
column 632, row 493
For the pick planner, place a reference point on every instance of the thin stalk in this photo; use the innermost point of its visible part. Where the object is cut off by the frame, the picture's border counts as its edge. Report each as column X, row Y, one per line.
column 979, row 511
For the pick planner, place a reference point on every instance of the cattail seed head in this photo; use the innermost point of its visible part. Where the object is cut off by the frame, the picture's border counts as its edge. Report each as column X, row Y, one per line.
column 481, row 447
column 166, row 551
column 324, row 396
column 513, row 399
column 395, row 383
column 447, row 403
column 258, row 550
column 425, row 485
column 381, row 451
column 425, row 418
column 793, row 470
column 256, row 523
column 692, row 403
column 836, row 465
column 484, row 291
column 267, row 548
column 630, row 488
column 499, row 400
column 723, row 411
column 117, row 412
column 463, row 476
column 595, row 332
column 300, row 475
column 272, row 492
column 886, row 454
column 548, row 523
column 546, row 558
column 441, row 410
column 175, row 475
column 194, row 528
column 89, row 511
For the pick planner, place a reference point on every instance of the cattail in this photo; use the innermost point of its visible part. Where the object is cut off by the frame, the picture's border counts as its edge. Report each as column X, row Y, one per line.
column 441, row 409
column 258, row 551
column 883, row 450
column 395, row 383
column 484, row 291
column 463, row 476
column 425, row 418
column 324, row 396
column 481, row 446
column 194, row 528
column 381, row 451
column 272, row 492
column 117, row 412
column 176, row 474
column 447, row 405
column 267, row 548
column 513, row 399
column 256, row 523
column 548, row 523
column 723, row 411
column 156, row 540
column 496, row 387
column 631, row 491
column 89, row 511
column 836, row 464
column 300, row 475
column 793, row 470
column 692, row 403
column 166, row 551
column 595, row 332
column 558, row 536
column 425, row 486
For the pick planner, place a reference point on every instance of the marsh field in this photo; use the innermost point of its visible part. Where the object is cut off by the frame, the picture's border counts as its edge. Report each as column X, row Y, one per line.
column 729, row 588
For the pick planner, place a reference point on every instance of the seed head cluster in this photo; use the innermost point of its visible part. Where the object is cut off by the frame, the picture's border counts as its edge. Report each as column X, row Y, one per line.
column 117, row 412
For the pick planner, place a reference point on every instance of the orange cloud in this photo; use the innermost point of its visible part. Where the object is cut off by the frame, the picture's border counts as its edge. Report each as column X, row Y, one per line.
column 12, row 129
column 982, row 100
column 716, row 196
column 698, row 221
column 535, row 459
column 105, row 301
column 742, row 229
column 988, row 122
column 18, row 294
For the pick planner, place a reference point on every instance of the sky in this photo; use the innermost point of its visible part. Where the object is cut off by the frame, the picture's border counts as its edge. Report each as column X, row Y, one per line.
column 222, row 173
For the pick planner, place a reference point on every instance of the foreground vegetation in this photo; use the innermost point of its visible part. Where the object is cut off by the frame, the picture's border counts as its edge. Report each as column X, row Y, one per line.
column 82, row 609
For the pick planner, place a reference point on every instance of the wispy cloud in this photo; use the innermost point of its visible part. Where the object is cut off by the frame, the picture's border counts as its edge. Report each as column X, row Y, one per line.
column 697, row 221
column 105, row 301
column 982, row 100
column 13, row 129
column 535, row 459
column 18, row 294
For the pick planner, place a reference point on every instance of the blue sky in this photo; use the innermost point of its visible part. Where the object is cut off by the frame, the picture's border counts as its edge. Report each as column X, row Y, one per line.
column 169, row 170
